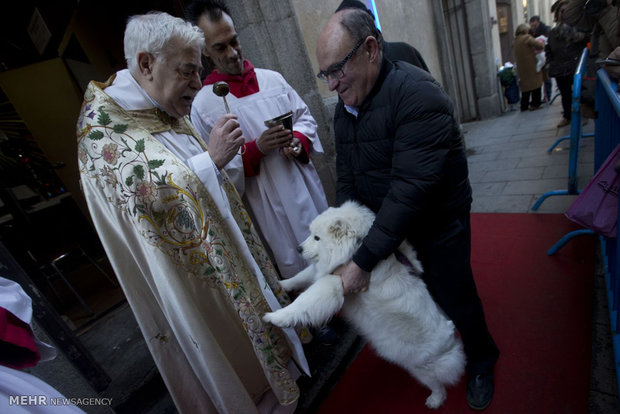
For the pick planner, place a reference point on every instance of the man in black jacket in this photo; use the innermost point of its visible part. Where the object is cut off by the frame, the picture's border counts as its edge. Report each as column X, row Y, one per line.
column 538, row 28
column 400, row 152
column 563, row 51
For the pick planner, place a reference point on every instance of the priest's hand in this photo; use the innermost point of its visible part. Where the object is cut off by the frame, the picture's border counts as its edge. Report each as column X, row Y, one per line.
column 272, row 138
column 225, row 140
column 354, row 279
column 292, row 150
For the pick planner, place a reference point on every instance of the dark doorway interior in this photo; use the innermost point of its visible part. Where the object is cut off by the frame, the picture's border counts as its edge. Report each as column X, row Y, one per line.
column 45, row 231
column 43, row 218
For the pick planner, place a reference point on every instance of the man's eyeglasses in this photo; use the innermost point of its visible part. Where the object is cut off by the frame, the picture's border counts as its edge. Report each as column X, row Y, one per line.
column 335, row 71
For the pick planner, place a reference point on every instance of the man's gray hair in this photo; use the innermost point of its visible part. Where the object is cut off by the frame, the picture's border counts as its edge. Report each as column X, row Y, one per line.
column 151, row 33
column 360, row 25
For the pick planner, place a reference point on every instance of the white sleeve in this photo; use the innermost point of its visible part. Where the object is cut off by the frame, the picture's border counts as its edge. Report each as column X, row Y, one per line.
column 204, row 167
column 303, row 121
column 235, row 172
column 203, row 124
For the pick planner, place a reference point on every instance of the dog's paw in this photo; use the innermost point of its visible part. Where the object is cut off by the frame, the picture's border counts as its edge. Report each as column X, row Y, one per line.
column 278, row 318
column 287, row 284
column 436, row 400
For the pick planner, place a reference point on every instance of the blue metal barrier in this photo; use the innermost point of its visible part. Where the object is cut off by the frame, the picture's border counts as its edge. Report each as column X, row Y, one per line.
column 576, row 121
column 575, row 136
column 568, row 237
column 607, row 137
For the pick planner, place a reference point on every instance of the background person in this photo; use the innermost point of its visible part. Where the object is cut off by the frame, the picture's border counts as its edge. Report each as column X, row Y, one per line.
column 600, row 18
column 399, row 151
column 614, row 70
column 563, row 51
column 186, row 255
column 537, row 29
column 21, row 348
column 530, row 80
column 282, row 188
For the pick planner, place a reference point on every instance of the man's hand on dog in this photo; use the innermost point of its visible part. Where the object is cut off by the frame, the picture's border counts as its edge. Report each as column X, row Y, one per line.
column 354, row 279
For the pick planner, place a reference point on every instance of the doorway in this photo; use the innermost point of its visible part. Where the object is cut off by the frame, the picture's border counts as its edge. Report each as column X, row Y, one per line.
column 46, row 231
column 506, row 38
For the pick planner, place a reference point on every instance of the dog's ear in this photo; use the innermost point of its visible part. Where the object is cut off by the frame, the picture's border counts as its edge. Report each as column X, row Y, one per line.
column 338, row 229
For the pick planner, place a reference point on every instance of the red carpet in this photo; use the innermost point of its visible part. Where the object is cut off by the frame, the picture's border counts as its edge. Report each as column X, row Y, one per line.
column 538, row 309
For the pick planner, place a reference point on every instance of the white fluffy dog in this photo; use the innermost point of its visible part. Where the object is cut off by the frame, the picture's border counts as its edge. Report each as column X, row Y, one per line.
column 396, row 315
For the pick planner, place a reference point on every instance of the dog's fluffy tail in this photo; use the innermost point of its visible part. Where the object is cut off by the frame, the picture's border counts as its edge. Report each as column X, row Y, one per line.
column 450, row 365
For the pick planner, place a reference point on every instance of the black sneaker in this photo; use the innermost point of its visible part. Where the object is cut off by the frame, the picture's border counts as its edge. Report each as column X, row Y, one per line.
column 480, row 391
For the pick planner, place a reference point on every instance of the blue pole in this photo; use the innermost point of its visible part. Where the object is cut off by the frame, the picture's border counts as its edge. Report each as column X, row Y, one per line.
column 373, row 9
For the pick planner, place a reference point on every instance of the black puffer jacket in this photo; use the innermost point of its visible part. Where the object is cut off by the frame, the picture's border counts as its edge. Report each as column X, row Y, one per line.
column 403, row 157
column 563, row 50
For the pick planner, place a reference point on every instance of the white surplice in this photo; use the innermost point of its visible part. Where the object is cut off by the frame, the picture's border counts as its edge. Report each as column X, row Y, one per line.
column 286, row 195
column 14, row 299
column 197, row 338
column 38, row 394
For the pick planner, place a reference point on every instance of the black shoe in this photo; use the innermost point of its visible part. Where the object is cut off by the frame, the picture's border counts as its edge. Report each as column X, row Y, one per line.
column 564, row 122
column 480, row 391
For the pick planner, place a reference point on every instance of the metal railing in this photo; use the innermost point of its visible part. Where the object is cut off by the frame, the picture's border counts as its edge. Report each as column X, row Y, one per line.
column 606, row 138
column 576, row 133
column 575, row 127
column 575, row 136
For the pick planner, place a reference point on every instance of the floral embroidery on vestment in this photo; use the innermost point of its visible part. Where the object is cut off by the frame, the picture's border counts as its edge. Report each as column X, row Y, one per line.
column 173, row 212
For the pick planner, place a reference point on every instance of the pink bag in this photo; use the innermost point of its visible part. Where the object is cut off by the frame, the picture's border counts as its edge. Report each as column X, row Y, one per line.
column 596, row 208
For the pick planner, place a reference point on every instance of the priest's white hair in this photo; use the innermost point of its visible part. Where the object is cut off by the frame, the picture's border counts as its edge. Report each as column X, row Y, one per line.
column 151, row 33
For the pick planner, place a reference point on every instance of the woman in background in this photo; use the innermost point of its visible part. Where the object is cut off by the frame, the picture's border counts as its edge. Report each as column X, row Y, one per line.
column 530, row 80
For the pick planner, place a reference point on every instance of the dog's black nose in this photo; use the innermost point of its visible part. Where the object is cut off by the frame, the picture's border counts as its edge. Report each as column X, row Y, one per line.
column 300, row 249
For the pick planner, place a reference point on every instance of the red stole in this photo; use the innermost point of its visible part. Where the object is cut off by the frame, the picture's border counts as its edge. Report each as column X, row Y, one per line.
column 240, row 85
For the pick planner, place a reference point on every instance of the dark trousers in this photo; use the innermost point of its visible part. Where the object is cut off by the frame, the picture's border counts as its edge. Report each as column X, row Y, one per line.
column 525, row 99
column 445, row 258
column 565, row 85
